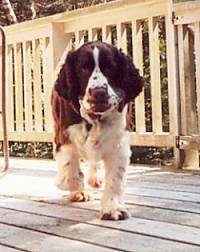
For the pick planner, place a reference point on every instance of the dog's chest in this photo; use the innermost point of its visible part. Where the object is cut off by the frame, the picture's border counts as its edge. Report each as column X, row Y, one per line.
column 99, row 139
column 89, row 142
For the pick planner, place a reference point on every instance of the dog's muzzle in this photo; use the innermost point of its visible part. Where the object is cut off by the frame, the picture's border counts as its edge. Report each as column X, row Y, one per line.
column 98, row 98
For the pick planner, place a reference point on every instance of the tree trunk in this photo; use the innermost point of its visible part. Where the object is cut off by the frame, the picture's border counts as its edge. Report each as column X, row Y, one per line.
column 12, row 19
column 33, row 10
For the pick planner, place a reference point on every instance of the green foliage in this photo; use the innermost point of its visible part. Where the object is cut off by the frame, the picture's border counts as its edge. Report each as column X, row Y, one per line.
column 152, row 155
column 29, row 150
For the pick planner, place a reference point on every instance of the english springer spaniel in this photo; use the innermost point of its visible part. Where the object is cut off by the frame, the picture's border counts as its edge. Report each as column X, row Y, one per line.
column 89, row 104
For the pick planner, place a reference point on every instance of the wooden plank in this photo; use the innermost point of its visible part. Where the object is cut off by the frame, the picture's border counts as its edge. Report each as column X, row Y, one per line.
column 187, row 178
column 132, row 201
column 154, row 54
column 167, row 231
column 138, row 61
column 38, row 120
column 123, row 38
column 90, row 34
column 173, row 80
column 79, row 39
column 29, row 136
column 153, row 184
column 187, row 82
column 149, row 139
column 183, row 196
column 10, row 82
column 187, row 93
column 106, row 34
column 113, row 15
column 8, row 249
column 119, row 35
column 182, row 79
column 28, row 34
column 48, row 83
column 18, row 87
column 186, row 12
column 1, row 126
column 68, row 229
column 38, row 241
column 151, row 213
column 28, row 68
column 197, row 72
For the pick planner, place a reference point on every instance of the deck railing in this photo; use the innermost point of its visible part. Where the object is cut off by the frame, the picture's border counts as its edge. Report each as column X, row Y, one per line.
column 143, row 29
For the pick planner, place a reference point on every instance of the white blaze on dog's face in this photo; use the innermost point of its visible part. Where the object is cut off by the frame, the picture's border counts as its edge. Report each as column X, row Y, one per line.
column 99, row 96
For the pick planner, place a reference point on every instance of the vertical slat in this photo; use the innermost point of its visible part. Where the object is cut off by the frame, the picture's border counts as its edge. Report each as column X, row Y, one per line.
column 18, row 87
column 37, row 85
column 1, row 126
column 106, row 34
column 47, row 82
column 94, row 34
column 138, row 60
column 124, row 39
column 10, row 80
column 155, row 75
column 90, row 36
column 187, row 82
column 191, row 160
column 76, row 39
column 119, row 35
column 181, row 78
column 173, row 82
column 197, row 56
column 79, row 38
column 28, row 86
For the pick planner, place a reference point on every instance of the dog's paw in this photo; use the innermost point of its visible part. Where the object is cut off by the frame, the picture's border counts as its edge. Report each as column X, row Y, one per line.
column 114, row 214
column 95, row 182
column 79, row 196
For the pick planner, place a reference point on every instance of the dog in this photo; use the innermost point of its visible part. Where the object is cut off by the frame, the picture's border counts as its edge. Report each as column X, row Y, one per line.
column 89, row 105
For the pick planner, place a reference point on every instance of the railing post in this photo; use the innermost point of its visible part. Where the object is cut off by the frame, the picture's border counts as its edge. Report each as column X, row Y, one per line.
column 173, row 79
column 4, row 121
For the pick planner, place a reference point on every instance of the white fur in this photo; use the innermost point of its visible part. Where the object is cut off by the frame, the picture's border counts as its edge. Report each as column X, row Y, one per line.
column 108, row 141
column 98, row 79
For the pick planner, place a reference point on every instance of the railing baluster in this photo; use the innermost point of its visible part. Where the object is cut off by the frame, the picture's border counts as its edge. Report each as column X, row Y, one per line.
column 46, row 56
column 197, row 59
column 138, row 61
column 10, row 87
column 28, row 86
column 37, row 85
column 155, row 75
column 18, row 87
column 106, row 34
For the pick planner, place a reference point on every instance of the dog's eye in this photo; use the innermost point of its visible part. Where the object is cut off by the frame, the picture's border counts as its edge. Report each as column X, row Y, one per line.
column 84, row 70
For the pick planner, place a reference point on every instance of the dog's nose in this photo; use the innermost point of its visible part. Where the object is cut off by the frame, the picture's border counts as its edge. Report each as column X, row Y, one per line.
column 99, row 94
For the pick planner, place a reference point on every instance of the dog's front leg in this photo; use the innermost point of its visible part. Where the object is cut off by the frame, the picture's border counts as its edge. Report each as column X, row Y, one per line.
column 116, row 163
column 69, row 175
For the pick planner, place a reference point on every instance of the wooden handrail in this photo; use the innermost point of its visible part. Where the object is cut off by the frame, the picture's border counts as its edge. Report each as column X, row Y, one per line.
column 4, row 121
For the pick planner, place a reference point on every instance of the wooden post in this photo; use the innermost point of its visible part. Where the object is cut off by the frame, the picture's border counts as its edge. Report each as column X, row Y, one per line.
column 138, row 61
column 173, row 82
column 187, row 93
column 4, row 118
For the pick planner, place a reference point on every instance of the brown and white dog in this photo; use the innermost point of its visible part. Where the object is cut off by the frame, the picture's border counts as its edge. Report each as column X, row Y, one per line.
column 89, row 103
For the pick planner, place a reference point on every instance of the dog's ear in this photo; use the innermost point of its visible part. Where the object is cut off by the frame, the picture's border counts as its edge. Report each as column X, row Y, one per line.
column 66, row 84
column 130, row 80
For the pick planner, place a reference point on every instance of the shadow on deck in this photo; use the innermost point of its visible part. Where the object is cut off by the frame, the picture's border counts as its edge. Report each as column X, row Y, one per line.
column 35, row 216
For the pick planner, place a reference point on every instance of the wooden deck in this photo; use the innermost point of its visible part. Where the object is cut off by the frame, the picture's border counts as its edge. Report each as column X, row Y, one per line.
column 35, row 216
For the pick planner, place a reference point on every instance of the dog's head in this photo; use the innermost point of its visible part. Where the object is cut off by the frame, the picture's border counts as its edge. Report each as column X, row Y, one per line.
column 98, row 78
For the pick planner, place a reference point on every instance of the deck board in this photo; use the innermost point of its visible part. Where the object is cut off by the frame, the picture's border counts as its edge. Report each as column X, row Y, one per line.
column 36, row 216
